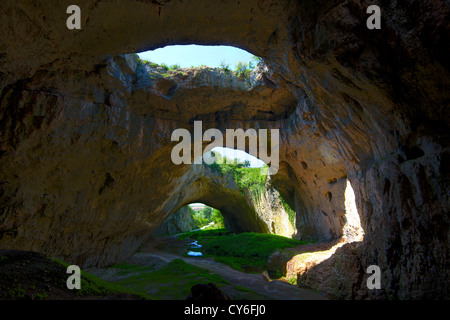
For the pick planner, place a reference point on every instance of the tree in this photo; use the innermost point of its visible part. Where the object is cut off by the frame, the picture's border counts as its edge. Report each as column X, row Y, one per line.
column 217, row 218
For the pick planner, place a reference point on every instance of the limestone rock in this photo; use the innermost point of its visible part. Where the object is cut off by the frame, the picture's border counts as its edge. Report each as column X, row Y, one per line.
column 85, row 171
column 180, row 221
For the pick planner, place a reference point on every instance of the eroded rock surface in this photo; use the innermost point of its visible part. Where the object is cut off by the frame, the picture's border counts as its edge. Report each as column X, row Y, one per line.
column 180, row 221
column 85, row 171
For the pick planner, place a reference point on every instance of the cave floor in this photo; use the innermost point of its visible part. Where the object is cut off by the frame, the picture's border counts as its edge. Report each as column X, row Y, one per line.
column 242, row 286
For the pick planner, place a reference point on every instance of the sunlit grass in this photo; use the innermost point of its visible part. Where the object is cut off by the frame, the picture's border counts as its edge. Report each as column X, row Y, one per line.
column 173, row 281
column 245, row 251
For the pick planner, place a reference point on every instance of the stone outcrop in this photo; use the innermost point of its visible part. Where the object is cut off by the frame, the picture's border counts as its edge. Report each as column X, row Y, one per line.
column 85, row 171
column 243, row 210
column 180, row 221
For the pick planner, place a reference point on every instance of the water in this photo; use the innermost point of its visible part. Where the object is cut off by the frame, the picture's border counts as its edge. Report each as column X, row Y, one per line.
column 195, row 245
column 194, row 254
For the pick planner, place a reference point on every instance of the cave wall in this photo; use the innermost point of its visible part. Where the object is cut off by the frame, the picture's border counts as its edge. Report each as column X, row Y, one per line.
column 180, row 221
column 371, row 106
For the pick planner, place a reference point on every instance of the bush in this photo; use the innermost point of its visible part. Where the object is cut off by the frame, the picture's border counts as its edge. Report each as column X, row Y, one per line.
column 217, row 218
column 174, row 67
column 246, row 178
column 242, row 70
column 225, row 67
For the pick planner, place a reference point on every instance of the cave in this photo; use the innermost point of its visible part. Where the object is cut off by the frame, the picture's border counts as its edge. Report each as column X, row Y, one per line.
column 86, row 133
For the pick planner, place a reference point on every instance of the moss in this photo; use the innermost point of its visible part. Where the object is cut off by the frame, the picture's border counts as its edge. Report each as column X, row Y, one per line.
column 16, row 293
column 41, row 295
column 173, row 281
column 292, row 280
column 93, row 286
column 243, row 289
column 288, row 209
column 127, row 268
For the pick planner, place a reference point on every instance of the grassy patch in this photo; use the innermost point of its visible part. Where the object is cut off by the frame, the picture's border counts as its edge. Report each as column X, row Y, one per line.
column 244, row 251
column 173, row 281
column 131, row 268
column 246, row 178
column 93, row 286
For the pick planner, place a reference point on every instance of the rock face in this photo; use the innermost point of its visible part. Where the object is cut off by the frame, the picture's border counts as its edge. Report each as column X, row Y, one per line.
column 85, row 170
column 243, row 210
column 180, row 221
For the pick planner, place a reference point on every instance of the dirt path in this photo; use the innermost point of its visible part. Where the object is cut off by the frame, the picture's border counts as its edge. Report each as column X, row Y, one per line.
column 167, row 249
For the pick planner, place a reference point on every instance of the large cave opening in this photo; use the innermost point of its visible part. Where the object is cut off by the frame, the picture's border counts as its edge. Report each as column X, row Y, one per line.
column 86, row 132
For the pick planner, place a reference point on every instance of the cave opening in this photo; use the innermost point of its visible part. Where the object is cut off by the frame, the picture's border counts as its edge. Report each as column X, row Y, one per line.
column 191, row 217
column 191, row 56
column 86, row 129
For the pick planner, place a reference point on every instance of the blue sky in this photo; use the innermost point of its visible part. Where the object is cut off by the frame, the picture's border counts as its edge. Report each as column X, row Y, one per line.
column 239, row 154
column 195, row 55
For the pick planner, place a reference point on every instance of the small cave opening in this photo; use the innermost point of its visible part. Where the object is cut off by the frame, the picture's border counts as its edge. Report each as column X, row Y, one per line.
column 192, row 56
column 212, row 83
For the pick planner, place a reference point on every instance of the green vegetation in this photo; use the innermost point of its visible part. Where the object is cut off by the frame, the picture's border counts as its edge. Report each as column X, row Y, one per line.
column 288, row 209
column 172, row 281
column 94, row 286
column 146, row 62
column 131, row 268
column 245, row 251
column 217, row 218
column 206, row 215
column 16, row 293
column 293, row 280
column 243, row 70
column 257, row 59
column 202, row 217
column 155, row 65
column 170, row 68
column 246, row 178
column 225, row 67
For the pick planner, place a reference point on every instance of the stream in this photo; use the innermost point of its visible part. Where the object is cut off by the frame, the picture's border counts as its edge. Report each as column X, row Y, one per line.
column 194, row 245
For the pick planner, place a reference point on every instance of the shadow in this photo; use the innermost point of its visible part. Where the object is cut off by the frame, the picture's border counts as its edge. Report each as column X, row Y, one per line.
column 278, row 264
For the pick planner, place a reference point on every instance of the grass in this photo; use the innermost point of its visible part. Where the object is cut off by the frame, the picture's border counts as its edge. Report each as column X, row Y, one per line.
column 93, row 286
column 132, row 268
column 246, row 178
column 245, row 251
column 172, row 281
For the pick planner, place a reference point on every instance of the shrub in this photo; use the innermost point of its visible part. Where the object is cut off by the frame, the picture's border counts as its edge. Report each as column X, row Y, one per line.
column 242, row 70
column 174, row 67
column 225, row 67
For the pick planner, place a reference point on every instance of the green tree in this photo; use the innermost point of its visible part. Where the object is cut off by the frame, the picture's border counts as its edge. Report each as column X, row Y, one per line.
column 242, row 70
column 217, row 218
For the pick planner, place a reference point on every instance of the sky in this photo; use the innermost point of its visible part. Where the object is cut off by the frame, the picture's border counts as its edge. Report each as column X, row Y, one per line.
column 194, row 55
column 211, row 56
column 241, row 155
